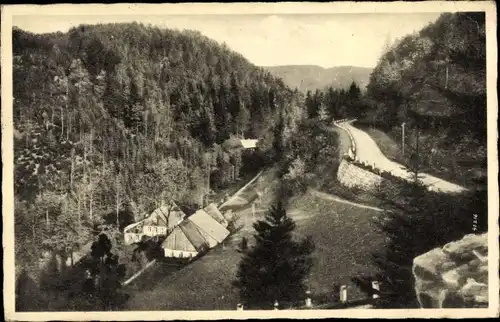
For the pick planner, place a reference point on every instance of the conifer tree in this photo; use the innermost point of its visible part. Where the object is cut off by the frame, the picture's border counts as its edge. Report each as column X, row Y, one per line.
column 275, row 268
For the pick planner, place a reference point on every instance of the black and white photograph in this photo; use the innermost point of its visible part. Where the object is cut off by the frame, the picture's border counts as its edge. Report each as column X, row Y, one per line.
column 249, row 160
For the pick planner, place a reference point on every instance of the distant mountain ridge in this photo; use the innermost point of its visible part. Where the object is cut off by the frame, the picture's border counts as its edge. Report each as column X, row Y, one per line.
column 312, row 77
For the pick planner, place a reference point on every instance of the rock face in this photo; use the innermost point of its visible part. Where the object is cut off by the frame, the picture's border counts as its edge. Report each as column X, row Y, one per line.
column 454, row 276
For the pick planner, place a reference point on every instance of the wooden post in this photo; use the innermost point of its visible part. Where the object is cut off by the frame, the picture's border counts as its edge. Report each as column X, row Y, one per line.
column 208, row 176
column 446, row 80
column 117, row 203
column 343, row 294
column 308, row 299
column 403, row 138
column 376, row 288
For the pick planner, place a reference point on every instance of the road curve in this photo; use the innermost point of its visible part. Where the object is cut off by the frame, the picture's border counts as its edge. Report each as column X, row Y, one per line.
column 367, row 151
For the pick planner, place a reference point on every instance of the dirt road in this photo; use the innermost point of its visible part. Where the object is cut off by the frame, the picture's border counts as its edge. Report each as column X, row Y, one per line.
column 367, row 151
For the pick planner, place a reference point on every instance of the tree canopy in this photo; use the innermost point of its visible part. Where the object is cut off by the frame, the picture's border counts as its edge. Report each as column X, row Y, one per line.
column 439, row 71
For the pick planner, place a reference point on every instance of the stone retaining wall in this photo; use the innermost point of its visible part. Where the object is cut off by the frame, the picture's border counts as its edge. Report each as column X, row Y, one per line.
column 352, row 176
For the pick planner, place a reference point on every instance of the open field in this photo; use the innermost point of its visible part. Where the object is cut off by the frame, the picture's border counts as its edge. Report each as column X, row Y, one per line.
column 344, row 236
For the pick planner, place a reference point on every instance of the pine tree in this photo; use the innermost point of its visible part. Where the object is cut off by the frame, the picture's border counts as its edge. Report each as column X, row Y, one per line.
column 278, row 144
column 275, row 268
column 323, row 113
column 310, row 105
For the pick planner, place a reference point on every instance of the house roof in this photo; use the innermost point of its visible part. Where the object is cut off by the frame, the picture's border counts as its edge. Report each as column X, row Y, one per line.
column 177, row 240
column 248, row 144
column 194, row 235
column 129, row 227
column 211, row 230
column 165, row 216
column 212, row 210
column 236, row 143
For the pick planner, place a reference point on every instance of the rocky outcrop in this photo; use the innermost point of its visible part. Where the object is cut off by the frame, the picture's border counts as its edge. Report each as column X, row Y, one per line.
column 454, row 276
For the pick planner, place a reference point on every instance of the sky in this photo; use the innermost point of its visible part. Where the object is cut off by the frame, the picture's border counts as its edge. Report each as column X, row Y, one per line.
column 325, row 40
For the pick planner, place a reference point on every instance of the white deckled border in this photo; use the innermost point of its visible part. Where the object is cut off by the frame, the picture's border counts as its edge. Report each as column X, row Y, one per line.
column 246, row 8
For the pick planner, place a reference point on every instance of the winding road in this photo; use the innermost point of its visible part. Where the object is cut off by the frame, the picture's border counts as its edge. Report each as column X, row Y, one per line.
column 368, row 152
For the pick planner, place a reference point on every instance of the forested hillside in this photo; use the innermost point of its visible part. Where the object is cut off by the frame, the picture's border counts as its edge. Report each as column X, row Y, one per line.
column 435, row 81
column 120, row 117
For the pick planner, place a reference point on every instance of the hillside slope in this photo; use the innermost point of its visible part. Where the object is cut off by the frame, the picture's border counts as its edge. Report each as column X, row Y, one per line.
column 309, row 77
column 120, row 117
column 435, row 82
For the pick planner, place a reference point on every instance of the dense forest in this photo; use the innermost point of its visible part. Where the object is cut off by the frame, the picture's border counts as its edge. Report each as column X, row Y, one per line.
column 121, row 117
column 112, row 121
column 435, row 81
column 333, row 104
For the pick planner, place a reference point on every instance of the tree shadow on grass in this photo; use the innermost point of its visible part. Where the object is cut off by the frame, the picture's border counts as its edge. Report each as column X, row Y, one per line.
column 29, row 297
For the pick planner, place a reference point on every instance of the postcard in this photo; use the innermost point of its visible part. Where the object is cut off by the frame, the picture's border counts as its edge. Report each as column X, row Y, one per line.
column 250, row 160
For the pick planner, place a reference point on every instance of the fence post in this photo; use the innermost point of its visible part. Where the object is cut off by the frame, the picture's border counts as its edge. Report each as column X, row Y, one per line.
column 376, row 288
column 308, row 299
column 343, row 294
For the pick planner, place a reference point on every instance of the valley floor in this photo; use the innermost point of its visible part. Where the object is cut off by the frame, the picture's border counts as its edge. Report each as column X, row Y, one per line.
column 345, row 235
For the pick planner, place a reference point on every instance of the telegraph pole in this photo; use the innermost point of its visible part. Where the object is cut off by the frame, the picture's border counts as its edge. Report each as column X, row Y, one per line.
column 403, row 137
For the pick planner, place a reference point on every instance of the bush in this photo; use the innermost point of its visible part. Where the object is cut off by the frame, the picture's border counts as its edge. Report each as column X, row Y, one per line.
column 296, row 179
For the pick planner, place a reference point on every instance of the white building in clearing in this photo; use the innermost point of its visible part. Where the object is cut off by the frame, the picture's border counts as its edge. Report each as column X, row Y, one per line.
column 214, row 212
column 185, row 242
column 237, row 143
column 194, row 235
column 160, row 223
column 248, row 143
column 186, row 237
column 211, row 230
